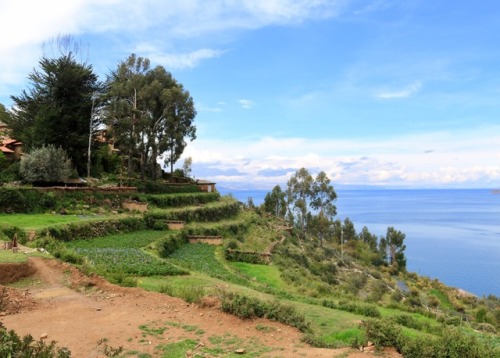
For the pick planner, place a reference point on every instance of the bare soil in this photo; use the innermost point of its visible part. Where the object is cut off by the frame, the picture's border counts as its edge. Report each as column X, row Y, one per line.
column 89, row 315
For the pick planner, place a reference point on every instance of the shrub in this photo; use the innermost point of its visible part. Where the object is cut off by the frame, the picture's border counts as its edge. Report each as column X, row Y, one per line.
column 382, row 332
column 11, row 345
column 246, row 307
column 169, row 244
column 47, row 164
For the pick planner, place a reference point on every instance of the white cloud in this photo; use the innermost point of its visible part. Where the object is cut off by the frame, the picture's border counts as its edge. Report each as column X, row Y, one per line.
column 26, row 24
column 246, row 103
column 183, row 60
column 464, row 159
column 408, row 91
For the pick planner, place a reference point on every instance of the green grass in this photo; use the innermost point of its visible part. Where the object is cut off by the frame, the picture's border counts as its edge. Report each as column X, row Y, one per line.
column 266, row 274
column 135, row 239
column 39, row 221
column 177, row 349
column 7, row 256
column 443, row 299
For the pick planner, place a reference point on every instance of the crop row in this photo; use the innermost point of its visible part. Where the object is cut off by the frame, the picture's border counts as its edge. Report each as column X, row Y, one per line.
column 201, row 257
column 128, row 260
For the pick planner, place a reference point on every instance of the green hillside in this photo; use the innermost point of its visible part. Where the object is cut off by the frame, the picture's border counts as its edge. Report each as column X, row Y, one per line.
column 337, row 292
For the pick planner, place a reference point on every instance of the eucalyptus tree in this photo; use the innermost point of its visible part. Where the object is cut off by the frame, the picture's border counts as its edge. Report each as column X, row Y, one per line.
column 57, row 107
column 322, row 201
column 311, row 203
column 126, row 109
column 150, row 115
column 171, row 114
column 395, row 245
column 299, row 193
column 275, row 202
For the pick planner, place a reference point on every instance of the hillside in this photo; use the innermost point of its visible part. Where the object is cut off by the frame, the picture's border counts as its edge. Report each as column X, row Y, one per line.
column 335, row 296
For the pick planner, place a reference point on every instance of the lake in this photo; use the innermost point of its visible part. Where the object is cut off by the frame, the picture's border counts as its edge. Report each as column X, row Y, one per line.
column 451, row 234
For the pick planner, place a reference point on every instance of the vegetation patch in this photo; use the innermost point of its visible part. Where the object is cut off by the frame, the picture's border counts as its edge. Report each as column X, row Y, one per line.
column 128, row 260
column 201, row 257
column 136, row 239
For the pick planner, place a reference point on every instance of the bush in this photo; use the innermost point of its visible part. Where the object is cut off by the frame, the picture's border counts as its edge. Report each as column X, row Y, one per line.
column 169, row 244
column 246, row 307
column 11, row 345
column 47, row 164
column 89, row 230
column 382, row 332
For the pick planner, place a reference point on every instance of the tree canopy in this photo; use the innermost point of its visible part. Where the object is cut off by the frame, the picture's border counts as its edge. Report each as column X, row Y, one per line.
column 151, row 115
column 57, row 108
column 148, row 114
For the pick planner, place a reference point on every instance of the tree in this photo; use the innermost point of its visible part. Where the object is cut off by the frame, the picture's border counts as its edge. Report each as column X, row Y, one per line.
column 47, row 165
column 368, row 238
column 275, row 203
column 172, row 114
column 298, row 194
column 310, row 203
column 322, row 197
column 4, row 116
column 125, row 110
column 57, row 107
column 150, row 113
column 186, row 167
column 394, row 240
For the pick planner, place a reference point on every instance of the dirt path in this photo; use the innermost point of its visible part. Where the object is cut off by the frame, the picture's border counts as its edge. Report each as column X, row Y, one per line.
column 79, row 311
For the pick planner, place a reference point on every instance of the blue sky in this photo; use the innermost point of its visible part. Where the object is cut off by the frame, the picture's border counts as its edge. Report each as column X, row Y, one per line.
column 382, row 92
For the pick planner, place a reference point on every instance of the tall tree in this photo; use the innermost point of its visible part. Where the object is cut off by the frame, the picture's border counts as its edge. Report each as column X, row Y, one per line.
column 172, row 112
column 322, row 201
column 56, row 109
column 394, row 240
column 275, row 203
column 151, row 115
column 311, row 203
column 126, row 110
column 299, row 192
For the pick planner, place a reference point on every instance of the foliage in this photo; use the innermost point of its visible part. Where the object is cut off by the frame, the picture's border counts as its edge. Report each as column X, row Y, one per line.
column 359, row 309
column 182, row 199
column 136, row 239
column 275, row 203
column 127, row 260
column 219, row 211
column 149, row 113
column 247, row 307
column 9, row 231
column 45, row 165
column 14, row 346
column 153, row 187
column 56, row 109
column 201, row 258
column 394, row 242
column 169, row 244
column 88, row 230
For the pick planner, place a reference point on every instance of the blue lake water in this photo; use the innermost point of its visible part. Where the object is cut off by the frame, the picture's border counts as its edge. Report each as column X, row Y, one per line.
column 452, row 235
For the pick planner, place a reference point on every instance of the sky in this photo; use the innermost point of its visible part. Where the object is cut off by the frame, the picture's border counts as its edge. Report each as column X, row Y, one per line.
column 376, row 93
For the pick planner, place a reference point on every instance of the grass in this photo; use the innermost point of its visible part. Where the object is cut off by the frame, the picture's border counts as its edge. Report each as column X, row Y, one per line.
column 265, row 274
column 443, row 299
column 7, row 256
column 39, row 221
